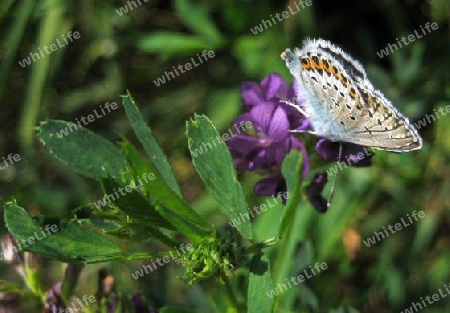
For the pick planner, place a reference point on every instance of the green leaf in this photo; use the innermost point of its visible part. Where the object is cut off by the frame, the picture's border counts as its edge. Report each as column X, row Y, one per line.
column 260, row 284
column 173, row 208
column 151, row 146
column 82, row 150
column 139, row 166
column 169, row 44
column 291, row 169
column 134, row 204
column 70, row 242
column 197, row 19
column 214, row 164
column 184, row 225
column 140, row 209
column 138, row 232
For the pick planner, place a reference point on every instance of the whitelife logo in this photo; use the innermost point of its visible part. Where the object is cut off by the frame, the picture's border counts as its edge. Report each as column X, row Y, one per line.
column 407, row 40
column 270, row 203
column 398, row 226
column 416, row 306
column 108, row 198
column 165, row 259
column 124, row 10
column 360, row 156
column 31, row 240
column 187, row 67
column 242, row 128
column 74, row 307
column 428, row 119
column 280, row 17
column 53, row 47
column 11, row 158
column 297, row 279
column 90, row 118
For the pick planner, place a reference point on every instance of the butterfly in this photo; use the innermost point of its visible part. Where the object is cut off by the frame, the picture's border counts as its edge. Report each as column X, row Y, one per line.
column 342, row 104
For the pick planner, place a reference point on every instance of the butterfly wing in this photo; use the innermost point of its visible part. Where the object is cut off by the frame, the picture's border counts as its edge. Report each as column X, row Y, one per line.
column 342, row 104
column 382, row 126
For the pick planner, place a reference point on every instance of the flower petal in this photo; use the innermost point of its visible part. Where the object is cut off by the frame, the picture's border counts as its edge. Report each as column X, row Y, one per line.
column 353, row 155
column 244, row 149
column 262, row 116
column 252, row 94
column 244, row 144
column 327, row 149
column 274, row 86
column 314, row 191
column 319, row 203
column 241, row 126
column 279, row 125
column 275, row 154
column 297, row 120
column 270, row 186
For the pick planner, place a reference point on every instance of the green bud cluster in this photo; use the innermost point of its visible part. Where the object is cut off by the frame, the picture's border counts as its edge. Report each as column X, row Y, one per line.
column 213, row 257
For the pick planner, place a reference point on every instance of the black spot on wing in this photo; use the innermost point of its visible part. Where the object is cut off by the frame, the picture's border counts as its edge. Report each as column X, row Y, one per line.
column 346, row 63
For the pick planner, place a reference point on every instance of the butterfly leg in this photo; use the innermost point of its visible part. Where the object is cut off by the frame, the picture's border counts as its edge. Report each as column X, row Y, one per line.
column 307, row 131
column 297, row 107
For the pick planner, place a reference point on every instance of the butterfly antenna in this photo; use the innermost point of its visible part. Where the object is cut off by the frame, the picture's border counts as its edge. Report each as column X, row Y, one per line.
column 335, row 177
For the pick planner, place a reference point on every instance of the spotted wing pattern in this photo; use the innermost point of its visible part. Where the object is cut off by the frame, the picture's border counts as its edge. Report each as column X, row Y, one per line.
column 342, row 103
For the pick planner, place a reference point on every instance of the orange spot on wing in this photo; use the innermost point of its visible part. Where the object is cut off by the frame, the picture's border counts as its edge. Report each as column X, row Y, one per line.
column 306, row 66
column 341, row 78
column 317, row 65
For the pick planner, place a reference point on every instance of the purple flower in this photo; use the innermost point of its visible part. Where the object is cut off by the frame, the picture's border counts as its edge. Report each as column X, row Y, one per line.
column 137, row 300
column 263, row 150
column 314, row 192
column 352, row 154
column 112, row 304
column 53, row 301
column 138, row 303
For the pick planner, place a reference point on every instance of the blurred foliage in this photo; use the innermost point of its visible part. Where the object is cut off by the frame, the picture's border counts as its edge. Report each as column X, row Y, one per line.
column 129, row 51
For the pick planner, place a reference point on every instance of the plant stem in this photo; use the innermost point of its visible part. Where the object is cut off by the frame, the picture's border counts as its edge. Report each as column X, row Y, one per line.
column 231, row 295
